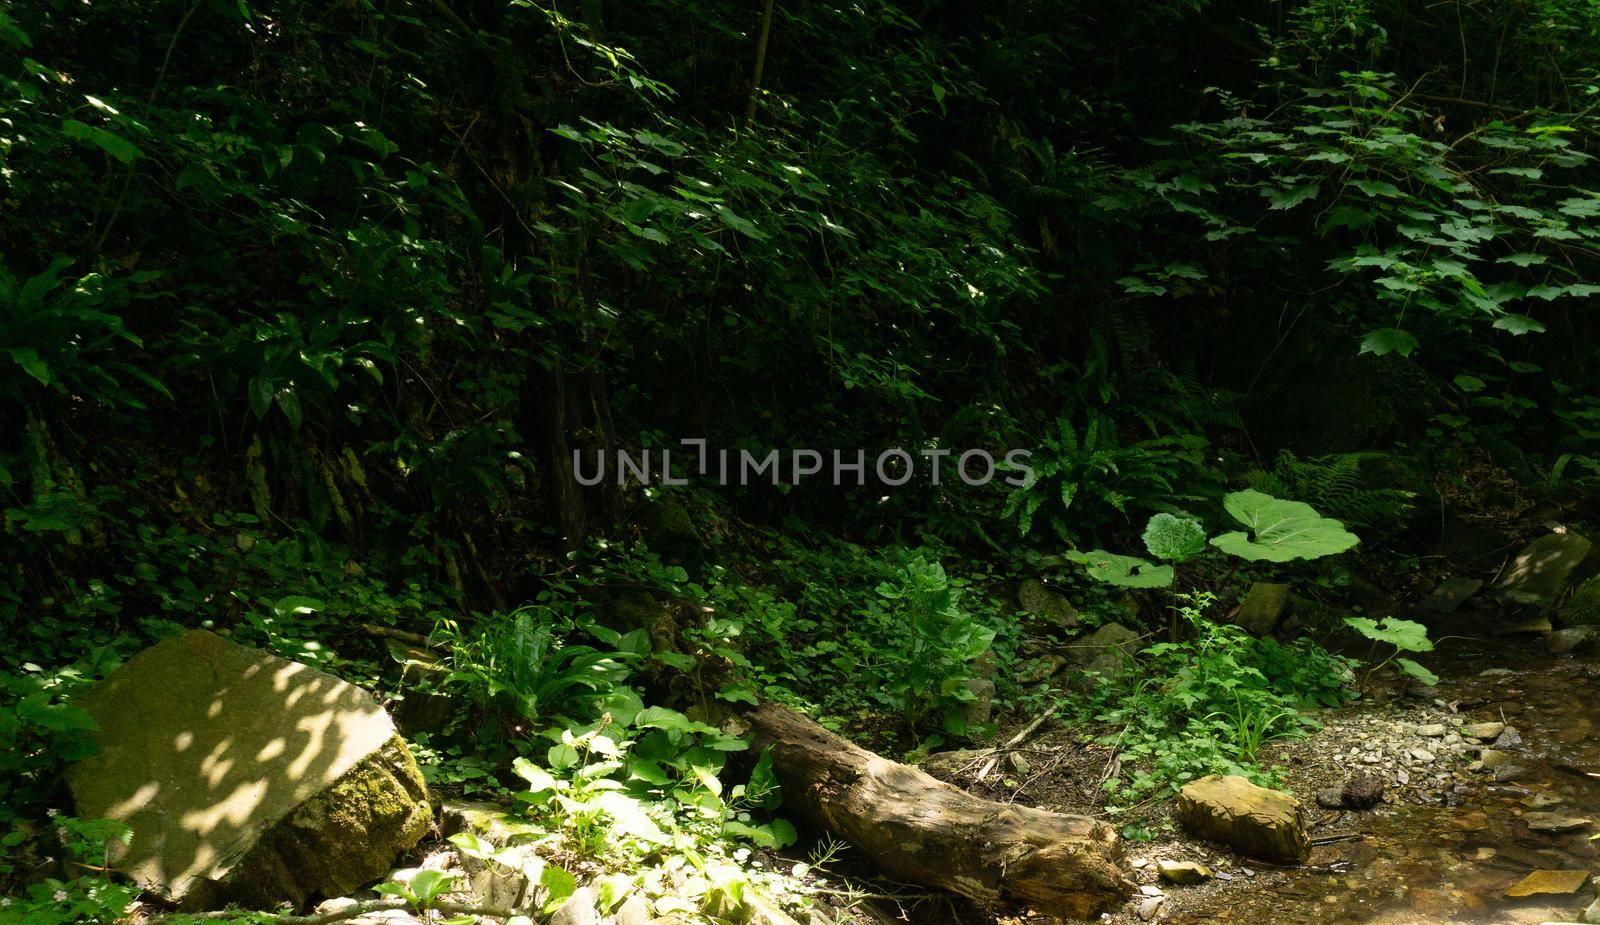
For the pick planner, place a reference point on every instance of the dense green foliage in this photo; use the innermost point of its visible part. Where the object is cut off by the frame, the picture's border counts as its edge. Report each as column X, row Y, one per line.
column 305, row 309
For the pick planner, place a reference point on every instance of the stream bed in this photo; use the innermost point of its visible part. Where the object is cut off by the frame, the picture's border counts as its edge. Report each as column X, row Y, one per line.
column 1452, row 857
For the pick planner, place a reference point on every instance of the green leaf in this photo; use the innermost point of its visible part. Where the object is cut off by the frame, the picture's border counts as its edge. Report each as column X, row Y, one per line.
column 1290, row 196
column 1377, row 188
column 1122, row 571
column 295, row 604
column 1280, row 531
column 1523, row 260
column 1405, row 635
column 1389, row 340
column 1417, row 671
column 1174, row 538
column 29, row 360
column 1518, row 324
column 110, row 142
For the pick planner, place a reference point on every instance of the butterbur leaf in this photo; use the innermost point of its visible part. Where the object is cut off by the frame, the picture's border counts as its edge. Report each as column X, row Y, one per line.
column 1417, row 671
column 1389, row 340
column 1405, row 635
column 1280, row 531
column 1174, row 538
column 1122, row 571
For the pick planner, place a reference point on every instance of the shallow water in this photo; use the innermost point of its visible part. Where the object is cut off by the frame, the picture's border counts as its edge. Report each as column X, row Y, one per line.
column 1426, row 864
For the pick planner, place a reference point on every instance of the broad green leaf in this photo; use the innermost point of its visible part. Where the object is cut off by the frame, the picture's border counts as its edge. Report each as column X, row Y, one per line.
column 1519, row 324
column 1280, row 531
column 1405, row 635
column 1389, row 340
column 1123, row 571
column 110, row 142
column 1377, row 188
column 1417, row 671
column 295, row 604
column 1174, row 538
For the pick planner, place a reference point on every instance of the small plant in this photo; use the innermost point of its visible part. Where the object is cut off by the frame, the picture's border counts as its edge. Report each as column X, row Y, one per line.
column 523, row 664
column 87, row 897
column 1275, row 531
column 929, row 670
column 1404, row 636
column 421, row 889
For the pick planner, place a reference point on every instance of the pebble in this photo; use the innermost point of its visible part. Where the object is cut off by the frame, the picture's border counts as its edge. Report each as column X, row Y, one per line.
column 1422, row 755
column 1592, row 914
column 1151, row 890
column 1148, row 908
column 1510, row 738
column 1431, row 731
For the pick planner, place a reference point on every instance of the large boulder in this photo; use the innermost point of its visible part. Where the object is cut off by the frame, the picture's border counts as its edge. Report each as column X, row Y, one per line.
column 1539, row 573
column 1252, row 820
column 246, row 777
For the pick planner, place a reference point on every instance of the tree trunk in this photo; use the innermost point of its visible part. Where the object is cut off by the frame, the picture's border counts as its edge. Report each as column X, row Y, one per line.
column 924, row 831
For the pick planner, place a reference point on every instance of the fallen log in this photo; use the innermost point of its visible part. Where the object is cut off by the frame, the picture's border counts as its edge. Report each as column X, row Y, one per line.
column 921, row 830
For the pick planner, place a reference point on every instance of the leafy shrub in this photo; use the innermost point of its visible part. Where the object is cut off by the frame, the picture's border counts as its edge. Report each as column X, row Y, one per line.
column 1206, row 706
column 521, row 664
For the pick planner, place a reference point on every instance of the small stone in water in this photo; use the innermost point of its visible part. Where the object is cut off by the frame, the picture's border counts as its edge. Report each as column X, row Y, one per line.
column 1509, row 738
column 1509, row 772
column 1483, row 732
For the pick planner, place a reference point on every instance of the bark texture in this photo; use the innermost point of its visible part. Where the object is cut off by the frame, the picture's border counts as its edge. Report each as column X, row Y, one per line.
column 921, row 830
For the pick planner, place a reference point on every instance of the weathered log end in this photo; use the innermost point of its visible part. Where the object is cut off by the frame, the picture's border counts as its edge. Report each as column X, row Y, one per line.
column 921, row 830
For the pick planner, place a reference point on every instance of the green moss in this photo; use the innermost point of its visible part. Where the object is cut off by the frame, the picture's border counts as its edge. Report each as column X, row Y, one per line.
column 1583, row 607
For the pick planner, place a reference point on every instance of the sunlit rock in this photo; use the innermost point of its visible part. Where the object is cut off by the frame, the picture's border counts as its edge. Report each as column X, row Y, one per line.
column 246, row 777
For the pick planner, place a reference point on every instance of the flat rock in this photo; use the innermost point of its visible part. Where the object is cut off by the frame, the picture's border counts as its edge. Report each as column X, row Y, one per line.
column 1450, row 594
column 1483, row 732
column 1549, row 882
column 1262, row 607
column 245, row 776
column 1555, row 823
column 1538, row 574
column 1183, row 873
column 1046, row 604
column 1572, row 640
column 1431, row 730
column 1252, row 820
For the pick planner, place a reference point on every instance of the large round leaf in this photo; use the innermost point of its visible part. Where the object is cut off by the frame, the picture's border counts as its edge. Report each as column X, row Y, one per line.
column 1125, row 571
column 1280, row 531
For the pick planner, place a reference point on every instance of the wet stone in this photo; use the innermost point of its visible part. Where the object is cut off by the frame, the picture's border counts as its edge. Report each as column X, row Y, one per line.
column 1556, row 823
column 1549, row 882
column 1362, row 791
